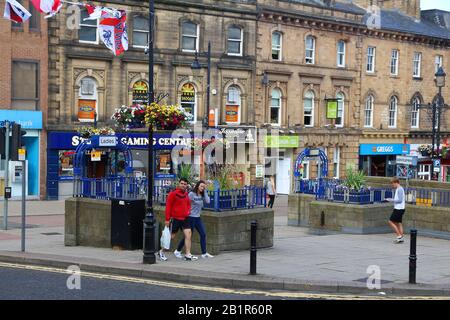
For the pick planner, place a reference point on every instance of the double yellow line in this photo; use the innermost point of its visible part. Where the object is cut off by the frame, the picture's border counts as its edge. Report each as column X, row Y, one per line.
column 273, row 294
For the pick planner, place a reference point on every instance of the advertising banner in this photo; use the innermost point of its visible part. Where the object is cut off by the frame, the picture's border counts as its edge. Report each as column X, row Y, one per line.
column 86, row 110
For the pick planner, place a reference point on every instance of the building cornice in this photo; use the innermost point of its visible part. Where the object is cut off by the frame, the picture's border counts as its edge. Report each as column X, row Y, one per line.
column 382, row 134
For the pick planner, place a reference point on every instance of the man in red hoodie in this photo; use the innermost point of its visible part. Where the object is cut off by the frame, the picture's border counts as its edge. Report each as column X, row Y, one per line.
column 178, row 208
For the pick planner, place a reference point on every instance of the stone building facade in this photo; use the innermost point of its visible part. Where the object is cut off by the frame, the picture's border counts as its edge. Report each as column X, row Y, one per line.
column 311, row 51
column 24, row 96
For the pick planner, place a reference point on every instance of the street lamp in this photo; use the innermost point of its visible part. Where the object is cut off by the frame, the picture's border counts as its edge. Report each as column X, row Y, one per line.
column 149, row 221
column 195, row 66
column 438, row 106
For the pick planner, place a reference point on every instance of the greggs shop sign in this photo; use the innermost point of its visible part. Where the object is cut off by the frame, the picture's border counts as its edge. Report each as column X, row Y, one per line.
column 384, row 149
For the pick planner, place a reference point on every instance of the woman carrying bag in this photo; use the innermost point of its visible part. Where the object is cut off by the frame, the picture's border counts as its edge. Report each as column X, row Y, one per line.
column 198, row 197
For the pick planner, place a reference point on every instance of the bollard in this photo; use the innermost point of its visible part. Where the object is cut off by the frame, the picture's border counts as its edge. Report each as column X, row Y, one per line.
column 413, row 257
column 149, row 238
column 253, row 227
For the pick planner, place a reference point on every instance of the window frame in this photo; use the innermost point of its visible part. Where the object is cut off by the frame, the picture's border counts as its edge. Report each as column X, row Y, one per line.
column 34, row 13
column 241, row 42
column 391, row 100
column 277, row 107
column 441, row 62
column 336, row 161
column 92, row 97
column 341, row 125
column 312, row 98
column 372, row 57
column 278, row 47
column 37, row 100
column 309, row 50
column 417, row 63
column 197, row 37
column 81, row 25
column 394, row 58
column 417, row 111
column 238, row 103
column 140, row 31
column 370, row 101
column 195, row 104
column 341, row 54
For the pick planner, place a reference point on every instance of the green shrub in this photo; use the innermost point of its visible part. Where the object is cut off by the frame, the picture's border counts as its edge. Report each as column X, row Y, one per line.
column 355, row 180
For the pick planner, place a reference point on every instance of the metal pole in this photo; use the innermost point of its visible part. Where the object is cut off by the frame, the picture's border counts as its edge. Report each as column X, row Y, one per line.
column 413, row 257
column 149, row 225
column 254, row 225
column 433, row 138
column 208, row 86
column 438, row 133
column 24, row 191
column 5, row 207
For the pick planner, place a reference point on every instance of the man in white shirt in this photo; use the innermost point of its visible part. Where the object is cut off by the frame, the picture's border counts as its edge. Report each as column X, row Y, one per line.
column 399, row 209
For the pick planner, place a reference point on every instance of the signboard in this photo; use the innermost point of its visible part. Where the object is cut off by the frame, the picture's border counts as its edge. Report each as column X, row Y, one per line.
column 107, row 141
column 282, row 141
column 86, row 110
column 21, row 153
column 232, row 113
column 140, row 92
column 212, row 118
column 96, row 155
column 437, row 165
column 332, row 109
column 26, row 119
column 406, row 160
column 239, row 134
column 384, row 149
column 259, row 171
column 188, row 97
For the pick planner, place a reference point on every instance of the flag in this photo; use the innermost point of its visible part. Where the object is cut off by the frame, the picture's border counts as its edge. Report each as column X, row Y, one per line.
column 51, row 7
column 113, row 32
column 14, row 11
column 97, row 12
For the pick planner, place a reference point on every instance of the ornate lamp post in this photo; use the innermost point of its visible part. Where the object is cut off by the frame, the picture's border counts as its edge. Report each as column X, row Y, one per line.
column 438, row 107
column 149, row 221
column 195, row 66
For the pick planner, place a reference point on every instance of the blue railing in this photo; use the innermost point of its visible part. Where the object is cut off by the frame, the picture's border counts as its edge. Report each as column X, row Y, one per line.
column 247, row 197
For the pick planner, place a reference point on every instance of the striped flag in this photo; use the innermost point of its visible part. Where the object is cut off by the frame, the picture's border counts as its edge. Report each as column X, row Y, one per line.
column 113, row 32
column 14, row 11
column 51, row 7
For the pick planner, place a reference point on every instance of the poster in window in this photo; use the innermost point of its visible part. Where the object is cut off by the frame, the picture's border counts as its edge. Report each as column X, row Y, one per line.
column 86, row 110
column 232, row 113
column 140, row 92
column 188, row 97
column 332, row 109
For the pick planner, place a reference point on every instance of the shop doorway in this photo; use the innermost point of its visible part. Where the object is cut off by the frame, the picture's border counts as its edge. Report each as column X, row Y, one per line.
column 283, row 181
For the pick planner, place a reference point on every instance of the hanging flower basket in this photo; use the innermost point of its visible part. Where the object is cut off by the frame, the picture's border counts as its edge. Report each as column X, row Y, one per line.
column 87, row 132
column 425, row 150
column 167, row 117
column 129, row 117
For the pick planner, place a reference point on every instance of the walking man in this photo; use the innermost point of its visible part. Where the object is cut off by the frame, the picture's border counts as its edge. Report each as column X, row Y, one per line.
column 399, row 209
column 178, row 207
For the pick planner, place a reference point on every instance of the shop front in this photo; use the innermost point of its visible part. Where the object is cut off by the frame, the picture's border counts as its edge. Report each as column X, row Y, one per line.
column 379, row 159
column 61, row 149
column 31, row 123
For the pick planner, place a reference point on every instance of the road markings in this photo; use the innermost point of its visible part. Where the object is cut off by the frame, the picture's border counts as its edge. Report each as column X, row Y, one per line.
column 280, row 294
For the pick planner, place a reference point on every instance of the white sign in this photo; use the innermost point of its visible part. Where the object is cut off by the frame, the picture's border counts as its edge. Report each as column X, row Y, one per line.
column 107, row 141
column 96, row 156
column 405, row 160
column 437, row 165
column 259, row 171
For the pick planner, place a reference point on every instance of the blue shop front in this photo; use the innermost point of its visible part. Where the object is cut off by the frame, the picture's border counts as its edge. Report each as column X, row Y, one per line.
column 379, row 159
column 61, row 149
column 31, row 123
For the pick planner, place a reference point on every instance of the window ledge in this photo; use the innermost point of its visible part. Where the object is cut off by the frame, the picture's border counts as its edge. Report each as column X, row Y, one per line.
column 371, row 74
column 394, row 76
column 417, row 78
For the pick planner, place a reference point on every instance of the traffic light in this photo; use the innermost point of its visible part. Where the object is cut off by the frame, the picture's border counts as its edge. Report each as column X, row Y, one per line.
column 2, row 142
column 16, row 142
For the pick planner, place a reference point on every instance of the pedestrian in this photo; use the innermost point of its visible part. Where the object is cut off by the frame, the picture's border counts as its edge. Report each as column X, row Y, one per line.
column 198, row 196
column 271, row 191
column 178, row 207
column 396, row 218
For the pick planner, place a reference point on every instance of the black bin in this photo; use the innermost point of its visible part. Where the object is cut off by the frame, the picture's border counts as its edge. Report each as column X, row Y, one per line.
column 127, row 223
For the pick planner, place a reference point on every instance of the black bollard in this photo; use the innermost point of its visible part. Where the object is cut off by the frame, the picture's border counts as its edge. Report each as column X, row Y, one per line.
column 413, row 257
column 254, row 225
column 149, row 238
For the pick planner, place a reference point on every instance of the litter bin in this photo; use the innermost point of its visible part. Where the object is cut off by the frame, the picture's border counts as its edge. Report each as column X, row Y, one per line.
column 127, row 223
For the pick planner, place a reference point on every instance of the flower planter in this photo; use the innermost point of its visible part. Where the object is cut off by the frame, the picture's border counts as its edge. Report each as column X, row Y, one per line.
column 425, row 153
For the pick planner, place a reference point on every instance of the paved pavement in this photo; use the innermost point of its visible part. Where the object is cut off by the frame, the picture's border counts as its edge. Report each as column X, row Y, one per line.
column 297, row 261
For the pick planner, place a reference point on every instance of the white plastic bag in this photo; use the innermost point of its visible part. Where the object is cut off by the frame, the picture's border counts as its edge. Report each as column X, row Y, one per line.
column 165, row 238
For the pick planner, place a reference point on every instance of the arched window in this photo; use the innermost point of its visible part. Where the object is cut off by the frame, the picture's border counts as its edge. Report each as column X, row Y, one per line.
column 368, row 112
column 277, row 39
column 140, row 32
column 308, row 109
column 341, row 108
column 189, row 41
column 393, row 104
column 233, row 107
column 310, row 49
column 275, row 107
column 415, row 114
column 341, row 53
column 87, row 100
column 235, row 40
column 189, row 99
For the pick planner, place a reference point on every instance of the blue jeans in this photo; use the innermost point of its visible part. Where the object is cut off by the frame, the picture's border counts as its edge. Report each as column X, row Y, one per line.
column 196, row 223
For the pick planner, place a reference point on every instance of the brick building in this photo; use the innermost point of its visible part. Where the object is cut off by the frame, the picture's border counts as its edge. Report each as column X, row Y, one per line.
column 24, row 95
column 380, row 67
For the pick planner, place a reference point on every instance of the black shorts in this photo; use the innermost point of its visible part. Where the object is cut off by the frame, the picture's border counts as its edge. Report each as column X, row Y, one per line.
column 179, row 224
column 397, row 215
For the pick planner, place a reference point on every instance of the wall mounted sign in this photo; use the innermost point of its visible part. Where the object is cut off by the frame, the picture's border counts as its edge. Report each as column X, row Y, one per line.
column 282, row 141
column 384, row 149
column 232, row 113
column 86, row 110
column 332, row 108
column 188, row 97
column 140, row 92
